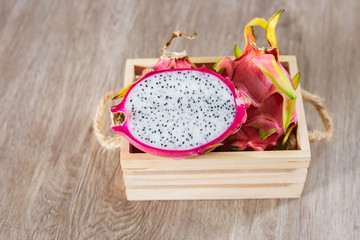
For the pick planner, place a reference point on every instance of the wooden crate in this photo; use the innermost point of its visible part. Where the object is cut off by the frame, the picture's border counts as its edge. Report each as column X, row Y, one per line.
column 217, row 175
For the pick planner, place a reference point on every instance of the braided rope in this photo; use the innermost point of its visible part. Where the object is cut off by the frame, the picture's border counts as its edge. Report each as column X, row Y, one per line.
column 107, row 142
column 317, row 135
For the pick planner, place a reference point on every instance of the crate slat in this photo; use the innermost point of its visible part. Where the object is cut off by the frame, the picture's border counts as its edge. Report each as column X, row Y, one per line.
column 216, row 193
column 217, row 161
column 214, row 178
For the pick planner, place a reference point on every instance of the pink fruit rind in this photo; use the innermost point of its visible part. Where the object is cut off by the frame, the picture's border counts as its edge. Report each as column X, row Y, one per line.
column 169, row 63
column 240, row 117
column 259, row 75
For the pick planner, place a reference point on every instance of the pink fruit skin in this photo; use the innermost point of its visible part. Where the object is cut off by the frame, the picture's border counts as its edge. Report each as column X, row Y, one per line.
column 264, row 125
column 259, row 75
column 265, row 110
column 240, row 117
column 163, row 64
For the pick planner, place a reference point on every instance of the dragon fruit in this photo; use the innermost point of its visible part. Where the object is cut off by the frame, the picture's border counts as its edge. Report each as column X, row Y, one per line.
column 180, row 112
column 167, row 60
column 259, row 75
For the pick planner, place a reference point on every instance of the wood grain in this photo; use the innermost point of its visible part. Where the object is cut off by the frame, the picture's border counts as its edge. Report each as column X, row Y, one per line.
column 57, row 58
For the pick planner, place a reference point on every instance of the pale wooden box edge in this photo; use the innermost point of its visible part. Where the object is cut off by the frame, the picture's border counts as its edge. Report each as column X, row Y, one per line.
column 138, row 166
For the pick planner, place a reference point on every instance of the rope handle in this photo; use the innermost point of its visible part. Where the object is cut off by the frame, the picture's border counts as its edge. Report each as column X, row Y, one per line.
column 318, row 104
column 314, row 135
column 105, row 141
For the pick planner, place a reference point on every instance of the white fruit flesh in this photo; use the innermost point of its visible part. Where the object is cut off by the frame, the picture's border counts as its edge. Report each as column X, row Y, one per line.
column 179, row 110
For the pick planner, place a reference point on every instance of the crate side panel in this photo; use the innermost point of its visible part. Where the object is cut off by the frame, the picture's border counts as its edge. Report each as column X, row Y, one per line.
column 220, row 163
column 199, row 193
column 302, row 133
column 214, row 178
column 302, row 136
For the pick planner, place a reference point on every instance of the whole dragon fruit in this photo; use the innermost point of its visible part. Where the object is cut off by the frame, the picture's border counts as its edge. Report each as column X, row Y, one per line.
column 179, row 112
column 259, row 75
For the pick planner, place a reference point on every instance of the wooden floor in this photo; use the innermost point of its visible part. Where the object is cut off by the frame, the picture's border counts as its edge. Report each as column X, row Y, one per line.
column 57, row 58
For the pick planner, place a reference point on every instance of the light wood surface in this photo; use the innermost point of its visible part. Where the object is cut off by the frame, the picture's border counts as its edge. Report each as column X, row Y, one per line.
column 57, row 58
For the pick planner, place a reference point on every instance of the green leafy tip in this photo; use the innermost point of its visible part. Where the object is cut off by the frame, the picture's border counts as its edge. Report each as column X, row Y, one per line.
column 263, row 134
column 296, row 80
column 268, row 65
column 288, row 107
column 233, row 148
column 237, row 51
column 217, row 67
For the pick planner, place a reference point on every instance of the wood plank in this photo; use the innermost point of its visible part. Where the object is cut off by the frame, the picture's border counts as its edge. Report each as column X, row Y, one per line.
column 213, row 178
column 140, row 64
column 302, row 132
column 219, row 161
column 230, row 192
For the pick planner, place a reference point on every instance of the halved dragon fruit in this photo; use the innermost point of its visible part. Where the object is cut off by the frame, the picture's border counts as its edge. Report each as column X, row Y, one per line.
column 259, row 75
column 167, row 60
column 180, row 112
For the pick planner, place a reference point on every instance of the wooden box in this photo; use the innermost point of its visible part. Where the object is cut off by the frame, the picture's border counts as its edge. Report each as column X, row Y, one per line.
column 217, row 175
